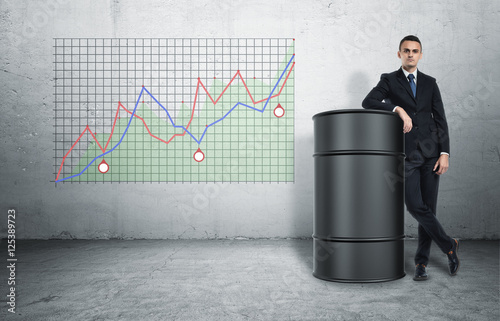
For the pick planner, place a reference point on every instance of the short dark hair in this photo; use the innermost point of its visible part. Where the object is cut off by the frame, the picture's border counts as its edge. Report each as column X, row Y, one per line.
column 410, row 38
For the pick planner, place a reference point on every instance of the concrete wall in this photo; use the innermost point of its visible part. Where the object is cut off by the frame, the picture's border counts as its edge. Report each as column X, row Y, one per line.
column 342, row 47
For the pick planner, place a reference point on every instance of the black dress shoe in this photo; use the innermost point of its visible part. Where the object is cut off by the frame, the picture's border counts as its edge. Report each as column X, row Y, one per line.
column 420, row 273
column 453, row 262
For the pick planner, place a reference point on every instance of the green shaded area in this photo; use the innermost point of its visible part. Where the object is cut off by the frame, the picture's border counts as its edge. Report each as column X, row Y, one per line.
column 246, row 146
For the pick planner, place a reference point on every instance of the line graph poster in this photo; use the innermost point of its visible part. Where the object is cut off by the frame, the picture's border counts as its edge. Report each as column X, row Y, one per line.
column 174, row 110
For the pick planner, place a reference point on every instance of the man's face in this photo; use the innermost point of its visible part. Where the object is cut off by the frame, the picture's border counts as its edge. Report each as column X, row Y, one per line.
column 410, row 53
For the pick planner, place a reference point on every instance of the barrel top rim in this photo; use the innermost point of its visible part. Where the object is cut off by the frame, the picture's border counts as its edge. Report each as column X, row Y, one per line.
column 354, row 111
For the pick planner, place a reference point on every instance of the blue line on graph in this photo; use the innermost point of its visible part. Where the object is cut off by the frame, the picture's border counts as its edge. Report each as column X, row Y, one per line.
column 179, row 126
column 112, row 149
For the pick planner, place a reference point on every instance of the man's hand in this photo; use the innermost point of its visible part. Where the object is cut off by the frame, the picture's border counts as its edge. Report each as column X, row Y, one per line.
column 442, row 164
column 408, row 125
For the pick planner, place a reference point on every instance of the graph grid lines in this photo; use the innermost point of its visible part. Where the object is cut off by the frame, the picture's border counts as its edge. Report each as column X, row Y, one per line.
column 174, row 110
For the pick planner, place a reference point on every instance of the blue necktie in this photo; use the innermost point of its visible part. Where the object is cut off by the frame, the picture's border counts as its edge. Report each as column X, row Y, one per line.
column 412, row 85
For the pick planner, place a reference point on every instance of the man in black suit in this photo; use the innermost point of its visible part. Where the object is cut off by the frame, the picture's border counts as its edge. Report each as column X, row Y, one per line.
column 415, row 97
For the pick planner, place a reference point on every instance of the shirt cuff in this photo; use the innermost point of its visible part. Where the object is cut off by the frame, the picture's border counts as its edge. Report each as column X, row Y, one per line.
column 394, row 110
column 444, row 153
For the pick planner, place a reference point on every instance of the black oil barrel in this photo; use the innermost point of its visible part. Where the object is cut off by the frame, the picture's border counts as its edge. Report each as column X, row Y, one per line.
column 358, row 196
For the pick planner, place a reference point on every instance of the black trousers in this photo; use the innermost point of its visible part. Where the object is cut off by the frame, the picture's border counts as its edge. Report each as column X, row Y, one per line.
column 421, row 191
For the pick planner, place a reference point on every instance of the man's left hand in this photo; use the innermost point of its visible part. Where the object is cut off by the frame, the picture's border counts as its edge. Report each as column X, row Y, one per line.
column 442, row 164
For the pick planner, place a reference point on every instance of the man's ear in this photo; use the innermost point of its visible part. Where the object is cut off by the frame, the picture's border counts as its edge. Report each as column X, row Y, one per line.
column 399, row 54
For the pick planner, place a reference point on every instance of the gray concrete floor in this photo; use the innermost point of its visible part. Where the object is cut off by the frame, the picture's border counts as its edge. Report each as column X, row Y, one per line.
column 235, row 280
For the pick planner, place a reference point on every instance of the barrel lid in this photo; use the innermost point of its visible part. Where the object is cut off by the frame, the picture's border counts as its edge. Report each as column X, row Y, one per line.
column 348, row 111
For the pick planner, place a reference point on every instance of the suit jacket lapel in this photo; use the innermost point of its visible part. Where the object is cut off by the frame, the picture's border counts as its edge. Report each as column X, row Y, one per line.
column 406, row 84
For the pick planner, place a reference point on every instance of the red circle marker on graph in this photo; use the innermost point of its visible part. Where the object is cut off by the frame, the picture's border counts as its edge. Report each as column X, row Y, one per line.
column 199, row 156
column 103, row 167
column 279, row 111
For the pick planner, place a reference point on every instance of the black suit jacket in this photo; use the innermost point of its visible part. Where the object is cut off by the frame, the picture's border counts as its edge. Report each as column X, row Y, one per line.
column 430, row 129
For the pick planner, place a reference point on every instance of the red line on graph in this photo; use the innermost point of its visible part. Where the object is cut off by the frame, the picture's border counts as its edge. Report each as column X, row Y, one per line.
column 74, row 144
column 175, row 135
column 113, row 128
column 248, row 91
